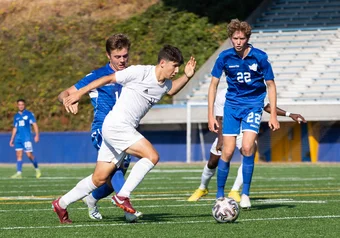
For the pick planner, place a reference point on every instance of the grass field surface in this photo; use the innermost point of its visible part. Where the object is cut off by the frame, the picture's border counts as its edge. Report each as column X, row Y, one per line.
column 291, row 200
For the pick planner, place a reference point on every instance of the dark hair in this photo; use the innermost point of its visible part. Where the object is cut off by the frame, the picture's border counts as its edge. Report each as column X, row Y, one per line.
column 117, row 42
column 170, row 53
column 21, row 100
column 237, row 25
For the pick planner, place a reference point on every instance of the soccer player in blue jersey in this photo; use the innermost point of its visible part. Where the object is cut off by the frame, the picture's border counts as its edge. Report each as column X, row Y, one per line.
column 21, row 138
column 216, row 151
column 103, row 99
column 249, row 75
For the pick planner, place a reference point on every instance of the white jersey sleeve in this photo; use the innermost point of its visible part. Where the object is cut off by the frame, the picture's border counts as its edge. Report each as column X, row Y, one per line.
column 219, row 102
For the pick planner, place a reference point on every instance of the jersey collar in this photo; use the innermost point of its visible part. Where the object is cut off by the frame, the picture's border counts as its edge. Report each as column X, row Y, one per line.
column 109, row 69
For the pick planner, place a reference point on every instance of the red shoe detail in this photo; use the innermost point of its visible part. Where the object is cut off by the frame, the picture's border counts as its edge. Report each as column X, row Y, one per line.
column 62, row 213
column 124, row 203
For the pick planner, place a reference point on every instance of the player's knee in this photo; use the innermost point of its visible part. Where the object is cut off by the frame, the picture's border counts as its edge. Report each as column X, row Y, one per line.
column 154, row 158
column 227, row 155
column 247, row 150
column 213, row 162
column 98, row 180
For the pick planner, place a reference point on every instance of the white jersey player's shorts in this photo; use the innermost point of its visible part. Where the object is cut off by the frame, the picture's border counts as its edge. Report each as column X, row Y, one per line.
column 219, row 153
column 116, row 139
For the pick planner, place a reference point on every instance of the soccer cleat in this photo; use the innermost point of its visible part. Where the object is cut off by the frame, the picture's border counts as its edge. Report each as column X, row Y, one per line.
column 17, row 176
column 133, row 217
column 62, row 213
column 245, row 202
column 124, row 203
column 198, row 194
column 37, row 173
column 93, row 212
column 234, row 194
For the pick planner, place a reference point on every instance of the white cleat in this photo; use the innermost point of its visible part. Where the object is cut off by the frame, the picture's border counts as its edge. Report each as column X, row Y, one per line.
column 133, row 217
column 94, row 213
column 245, row 202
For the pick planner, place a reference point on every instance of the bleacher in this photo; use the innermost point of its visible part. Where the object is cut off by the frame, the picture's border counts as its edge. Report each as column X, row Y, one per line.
column 302, row 40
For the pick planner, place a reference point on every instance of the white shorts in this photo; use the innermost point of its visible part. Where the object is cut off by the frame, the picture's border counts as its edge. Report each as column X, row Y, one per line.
column 213, row 150
column 116, row 139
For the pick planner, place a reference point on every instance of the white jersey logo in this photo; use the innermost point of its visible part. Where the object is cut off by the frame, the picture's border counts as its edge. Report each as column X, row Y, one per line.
column 253, row 67
column 25, row 117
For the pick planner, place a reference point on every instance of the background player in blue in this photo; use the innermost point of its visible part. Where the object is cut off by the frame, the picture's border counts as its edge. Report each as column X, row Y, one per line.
column 103, row 99
column 247, row 71
column 21, row 137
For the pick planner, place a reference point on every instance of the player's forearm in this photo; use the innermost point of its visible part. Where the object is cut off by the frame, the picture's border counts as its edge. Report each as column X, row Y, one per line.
column 272, row 98
column 36, row 129
column 211, row 97
column 279, row 111
column 98, row 83
column 178, row 84
column 14, row 131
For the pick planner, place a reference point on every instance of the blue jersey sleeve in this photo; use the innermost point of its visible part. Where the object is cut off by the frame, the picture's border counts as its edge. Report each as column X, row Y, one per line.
column 266, row 68
column 86, row 80
column 218, row 67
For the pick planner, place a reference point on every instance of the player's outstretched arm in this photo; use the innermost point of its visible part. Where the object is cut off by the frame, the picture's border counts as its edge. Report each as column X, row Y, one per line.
column 179, row 83
column 74, row 97
column 212, row 122
column 280, row 112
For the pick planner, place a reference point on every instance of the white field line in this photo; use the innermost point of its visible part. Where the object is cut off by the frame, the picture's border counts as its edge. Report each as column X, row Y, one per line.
column 262, row 201
column 169, row 223
column 312, row 191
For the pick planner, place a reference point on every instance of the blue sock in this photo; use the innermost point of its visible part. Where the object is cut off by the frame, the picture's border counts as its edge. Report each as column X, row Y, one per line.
column 118, row 180
column 19, row 166
column 102, row 192
column 247, row 173
column 222, row 175
column 34, row 162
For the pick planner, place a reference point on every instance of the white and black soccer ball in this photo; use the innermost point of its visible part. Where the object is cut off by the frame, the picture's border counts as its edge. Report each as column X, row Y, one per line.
column 225, row 210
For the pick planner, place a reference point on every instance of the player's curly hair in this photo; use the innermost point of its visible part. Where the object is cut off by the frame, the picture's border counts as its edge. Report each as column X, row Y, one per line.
column 170, row 53
column 237, row 25
column 117, row 42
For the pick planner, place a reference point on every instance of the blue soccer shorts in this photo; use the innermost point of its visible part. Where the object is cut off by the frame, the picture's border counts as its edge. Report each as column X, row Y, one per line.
column 26, row 145
column 234, row 119
column 97, row 138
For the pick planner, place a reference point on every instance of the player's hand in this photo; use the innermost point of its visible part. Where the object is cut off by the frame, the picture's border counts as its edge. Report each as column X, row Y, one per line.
column 11, row 144
column 70, row 100
column 36, row 139
column 298, row 118
column 274, row 123
column 219, row 145
column 189, row 69
column 213, row 125
column 72, row 108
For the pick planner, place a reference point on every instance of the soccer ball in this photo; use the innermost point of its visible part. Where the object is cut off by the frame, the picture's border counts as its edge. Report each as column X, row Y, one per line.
column 225, row 210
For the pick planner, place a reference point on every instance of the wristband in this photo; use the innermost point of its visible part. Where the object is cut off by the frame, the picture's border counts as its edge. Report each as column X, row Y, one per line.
column 288, row 114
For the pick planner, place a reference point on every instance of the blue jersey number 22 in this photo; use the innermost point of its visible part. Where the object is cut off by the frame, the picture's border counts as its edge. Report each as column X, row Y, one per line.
column 243, row 77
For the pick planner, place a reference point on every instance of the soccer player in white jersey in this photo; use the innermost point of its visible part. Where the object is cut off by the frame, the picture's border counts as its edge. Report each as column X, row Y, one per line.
column 103, row 99
column 143, row 86
column 216, row 151
column 249, row 75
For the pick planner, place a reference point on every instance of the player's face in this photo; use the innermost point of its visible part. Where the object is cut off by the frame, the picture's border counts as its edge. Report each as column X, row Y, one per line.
column 119, row 59
column 239, row 41
column 170, row 68
column 21, row 106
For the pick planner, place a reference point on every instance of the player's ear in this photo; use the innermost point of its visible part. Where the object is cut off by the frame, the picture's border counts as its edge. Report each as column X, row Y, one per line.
column 162, row 63
column 108, row 56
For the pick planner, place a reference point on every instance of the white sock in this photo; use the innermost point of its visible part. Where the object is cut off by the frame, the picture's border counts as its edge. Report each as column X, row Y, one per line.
column 81, row 190
column 239, row 179
column 91, row 201
column 206, row 176
column 137, row 174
